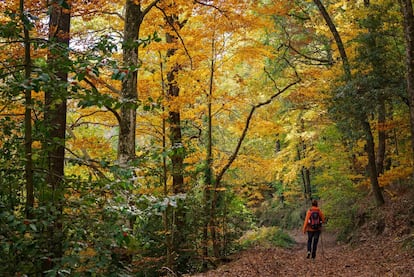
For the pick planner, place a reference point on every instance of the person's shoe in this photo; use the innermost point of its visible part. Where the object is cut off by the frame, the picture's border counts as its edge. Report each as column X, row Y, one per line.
column 309, row 254
column 313, row 256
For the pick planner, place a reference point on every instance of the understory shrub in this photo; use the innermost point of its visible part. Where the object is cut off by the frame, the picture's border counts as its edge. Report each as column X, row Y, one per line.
column 266, row 237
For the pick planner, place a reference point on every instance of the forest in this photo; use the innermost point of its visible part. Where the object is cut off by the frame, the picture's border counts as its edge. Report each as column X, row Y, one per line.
column 164, row 137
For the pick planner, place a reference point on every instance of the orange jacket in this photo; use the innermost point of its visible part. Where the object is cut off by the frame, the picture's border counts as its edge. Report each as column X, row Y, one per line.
column 306, row 226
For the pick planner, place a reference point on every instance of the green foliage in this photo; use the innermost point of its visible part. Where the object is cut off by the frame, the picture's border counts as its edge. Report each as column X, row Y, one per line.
column 335, row 185
column 378, row 75
column 284, row 215
column 9, row 30
column 27, row 244
column 266, row 237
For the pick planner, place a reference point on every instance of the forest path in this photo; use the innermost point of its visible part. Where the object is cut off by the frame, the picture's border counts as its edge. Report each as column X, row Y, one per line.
column 371, row 257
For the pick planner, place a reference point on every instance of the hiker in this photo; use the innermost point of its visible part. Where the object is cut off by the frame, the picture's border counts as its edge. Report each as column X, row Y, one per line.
column 313, row 225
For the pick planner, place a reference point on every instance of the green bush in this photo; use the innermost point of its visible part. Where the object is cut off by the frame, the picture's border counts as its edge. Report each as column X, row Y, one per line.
column 283, row 215
column 266, row 237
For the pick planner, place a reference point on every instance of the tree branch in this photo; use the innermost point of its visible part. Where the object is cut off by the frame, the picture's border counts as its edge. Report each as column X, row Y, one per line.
column 337, row 37
column 246, row 126
column 177, row 33
column 115, row 113
column 209, row 5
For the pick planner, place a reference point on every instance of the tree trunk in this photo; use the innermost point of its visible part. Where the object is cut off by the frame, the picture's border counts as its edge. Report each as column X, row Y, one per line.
column 168, row 213
column 55, row 99
column 178, row 152
column 55, row 116
column 129, row 91
column 307, row 183
column 407, row 12
column 305, row 173
column 27, row 118
column 377, row 61
column 382, row 136
column 173, row 91
column 134, row 16
column 372, row 170
column 337, row 37
column 209, row 206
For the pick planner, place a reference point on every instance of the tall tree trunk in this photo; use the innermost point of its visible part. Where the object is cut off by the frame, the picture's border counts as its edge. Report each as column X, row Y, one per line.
column 307, row 183
column 301, row 148
column 337, row 37
column 365, row 124
column 173, row 91
column 382, row 137
column 27, row 117
column 372, row 169
column 55, row 115
column 168, row 213
column 407, row 12
column 377, row 61
column 134, row 16
column 178, row 152
column 208, row 177
column 55, row 99
column 129, row 91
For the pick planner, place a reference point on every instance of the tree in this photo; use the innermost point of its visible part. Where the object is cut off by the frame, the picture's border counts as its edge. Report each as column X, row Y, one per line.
column 408, row 16
column 361, row 117
column 56, row 95
column 134, row 16
column 177, row 238
column 28, row 114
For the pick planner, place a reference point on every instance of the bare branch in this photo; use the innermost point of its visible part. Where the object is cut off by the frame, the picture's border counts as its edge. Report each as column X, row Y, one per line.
column 115, row 113
column 321, row 61
column 209, row 5
column 246, row 126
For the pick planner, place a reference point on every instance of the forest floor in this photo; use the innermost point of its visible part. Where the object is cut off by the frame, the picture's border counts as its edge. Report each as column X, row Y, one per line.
column 374, row 257
column 369, row 254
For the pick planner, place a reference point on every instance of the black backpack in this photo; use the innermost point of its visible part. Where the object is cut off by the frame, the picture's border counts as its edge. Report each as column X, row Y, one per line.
column 315, row 220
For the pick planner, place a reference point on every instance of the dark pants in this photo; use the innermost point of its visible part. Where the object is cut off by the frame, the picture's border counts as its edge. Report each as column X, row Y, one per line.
column 313, row 238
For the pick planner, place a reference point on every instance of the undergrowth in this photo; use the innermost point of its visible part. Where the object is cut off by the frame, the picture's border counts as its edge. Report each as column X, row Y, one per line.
column 266, row 237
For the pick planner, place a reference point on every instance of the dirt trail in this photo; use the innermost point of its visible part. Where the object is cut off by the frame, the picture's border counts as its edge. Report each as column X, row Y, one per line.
column 375, row 257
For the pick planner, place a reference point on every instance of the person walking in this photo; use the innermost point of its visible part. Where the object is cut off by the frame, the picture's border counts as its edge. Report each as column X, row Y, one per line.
column 313, row 225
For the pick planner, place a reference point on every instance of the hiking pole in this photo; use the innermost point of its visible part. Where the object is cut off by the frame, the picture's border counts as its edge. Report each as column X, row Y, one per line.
column 322, row 244
column 322, row 247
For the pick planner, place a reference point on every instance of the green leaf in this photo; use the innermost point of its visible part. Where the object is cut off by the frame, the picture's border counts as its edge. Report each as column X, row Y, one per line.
column 33, row 227
column 64, row 4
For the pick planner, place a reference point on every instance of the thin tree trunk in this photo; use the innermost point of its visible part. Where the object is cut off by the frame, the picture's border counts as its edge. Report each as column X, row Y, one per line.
column 407, row 12
column 307, row 183
column 27, row 118
column 178, row 152
column 305, row 173
column 168, row 211
column 337, row 37
column 372, row 169
column 209, row 206
column 382, row 136
column 173, row 91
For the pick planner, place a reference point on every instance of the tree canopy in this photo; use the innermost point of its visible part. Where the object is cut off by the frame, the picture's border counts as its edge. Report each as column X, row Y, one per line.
column 140, row 136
